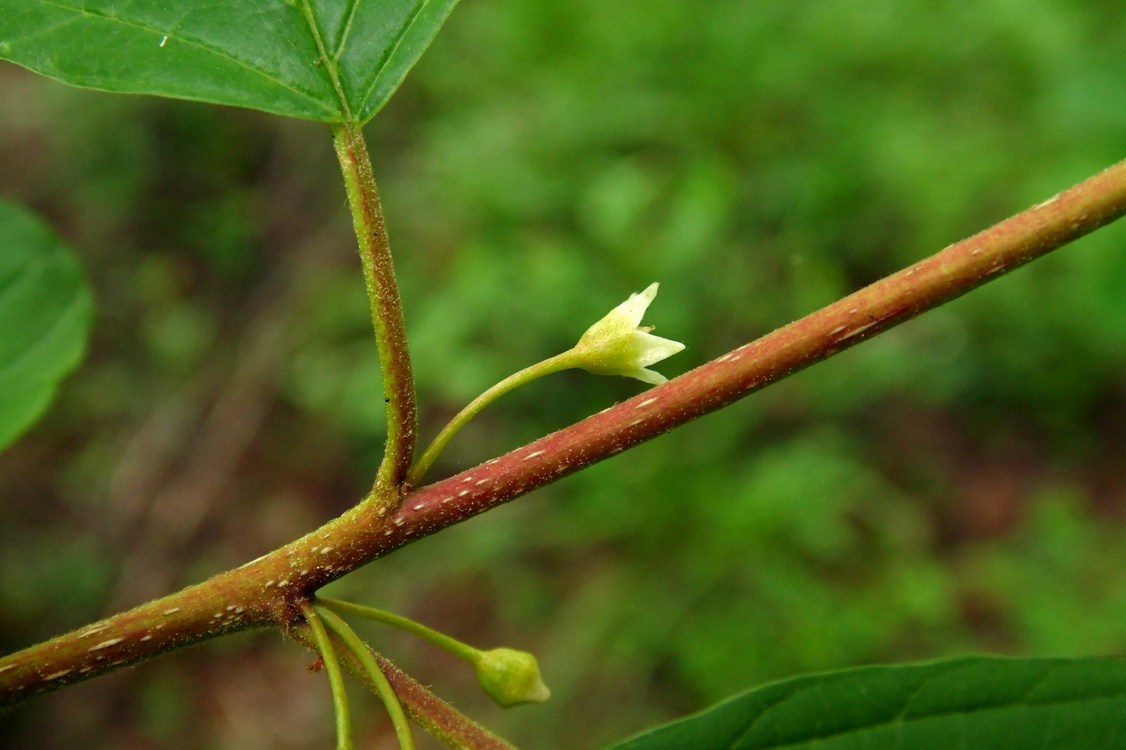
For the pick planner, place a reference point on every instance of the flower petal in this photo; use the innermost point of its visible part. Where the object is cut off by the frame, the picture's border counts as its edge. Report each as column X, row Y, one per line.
column 656, row 348
column 633, row 309
column 652, row 377
column 618, row 345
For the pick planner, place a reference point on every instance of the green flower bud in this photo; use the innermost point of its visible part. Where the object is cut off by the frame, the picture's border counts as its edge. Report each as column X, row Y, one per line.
column 617, row 345
column 510, row 677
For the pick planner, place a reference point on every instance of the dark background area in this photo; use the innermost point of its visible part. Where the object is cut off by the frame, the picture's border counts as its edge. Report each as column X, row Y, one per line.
column 954, row 486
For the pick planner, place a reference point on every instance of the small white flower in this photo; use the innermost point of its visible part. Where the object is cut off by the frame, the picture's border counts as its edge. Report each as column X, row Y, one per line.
column 617, row 345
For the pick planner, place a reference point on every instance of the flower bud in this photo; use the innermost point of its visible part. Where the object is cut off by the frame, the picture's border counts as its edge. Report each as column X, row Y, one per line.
column 510, row 677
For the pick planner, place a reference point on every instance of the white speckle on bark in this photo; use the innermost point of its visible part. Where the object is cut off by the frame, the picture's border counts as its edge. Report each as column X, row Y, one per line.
column 93, row 630
column 859, row 330
column 533, row 454
column 105, row 644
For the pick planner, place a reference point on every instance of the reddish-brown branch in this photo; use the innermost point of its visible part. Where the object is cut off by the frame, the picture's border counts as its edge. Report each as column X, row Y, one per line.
column 266, row 588
column 957, row 269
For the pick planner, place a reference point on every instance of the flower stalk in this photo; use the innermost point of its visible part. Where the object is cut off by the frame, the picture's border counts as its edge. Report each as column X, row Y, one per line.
column 615, row 345
column 335, row 676
column 386, row 693
column 438, row 718
column 509, row 676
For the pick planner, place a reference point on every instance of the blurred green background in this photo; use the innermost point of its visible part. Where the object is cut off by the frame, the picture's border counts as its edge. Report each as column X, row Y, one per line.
column 956, row 485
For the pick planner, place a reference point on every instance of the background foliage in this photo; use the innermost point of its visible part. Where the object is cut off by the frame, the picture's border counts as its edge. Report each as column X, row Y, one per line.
column 952, row 486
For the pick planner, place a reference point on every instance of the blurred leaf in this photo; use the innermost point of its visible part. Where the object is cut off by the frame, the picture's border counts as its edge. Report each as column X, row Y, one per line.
column 244, row 53
column 978, row 702
column 45, row 311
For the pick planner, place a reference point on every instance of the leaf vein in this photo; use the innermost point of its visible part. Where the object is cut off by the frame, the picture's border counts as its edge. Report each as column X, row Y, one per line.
column 310, row 16
column 345, row 30
column 393, row 48
column 198, row 43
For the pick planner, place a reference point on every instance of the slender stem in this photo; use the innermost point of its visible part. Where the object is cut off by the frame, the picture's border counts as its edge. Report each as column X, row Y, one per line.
column 382, row 686
column 454, row 646
column 335, row 677
column 430, row 712
column 557, row 363
column 386, row 309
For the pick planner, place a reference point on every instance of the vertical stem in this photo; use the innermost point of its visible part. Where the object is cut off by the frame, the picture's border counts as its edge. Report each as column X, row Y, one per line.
column 335, row 676
column 382, row 686
column 433, row 714
column 386, row 310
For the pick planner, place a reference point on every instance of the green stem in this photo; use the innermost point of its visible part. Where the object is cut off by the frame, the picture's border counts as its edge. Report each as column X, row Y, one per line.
column 454, row 646
column 559, row 362
column 386, row 692
column 335, row 676
column 386, row 310
column 440, row 719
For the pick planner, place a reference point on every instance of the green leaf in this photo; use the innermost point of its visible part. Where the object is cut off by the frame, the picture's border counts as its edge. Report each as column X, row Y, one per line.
column 327, row 60
column 967, row 704
column 45, row 312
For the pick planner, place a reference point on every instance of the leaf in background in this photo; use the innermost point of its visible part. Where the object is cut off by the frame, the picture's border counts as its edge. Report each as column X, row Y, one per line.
column 966, row 704
column 45, row 311
column 327, row 60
